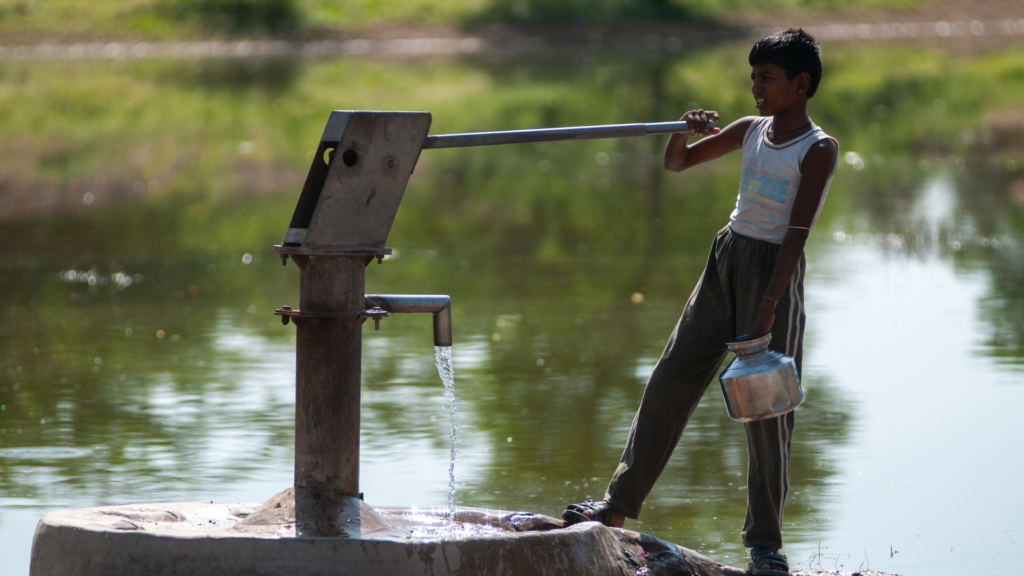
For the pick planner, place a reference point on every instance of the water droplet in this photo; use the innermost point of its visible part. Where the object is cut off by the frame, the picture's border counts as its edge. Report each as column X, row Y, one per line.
column 246, row 258
column 509, row 439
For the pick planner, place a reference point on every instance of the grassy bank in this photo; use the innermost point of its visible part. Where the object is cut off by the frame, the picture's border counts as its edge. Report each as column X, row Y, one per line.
column 193, row 137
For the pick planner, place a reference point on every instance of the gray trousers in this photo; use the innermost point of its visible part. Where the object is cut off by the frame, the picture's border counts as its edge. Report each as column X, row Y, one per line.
column 722, row 307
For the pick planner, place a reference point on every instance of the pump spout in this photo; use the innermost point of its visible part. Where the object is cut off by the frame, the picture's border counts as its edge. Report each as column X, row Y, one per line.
column 438, row 305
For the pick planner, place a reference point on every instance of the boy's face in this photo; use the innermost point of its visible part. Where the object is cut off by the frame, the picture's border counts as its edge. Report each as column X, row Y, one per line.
column 775, row 94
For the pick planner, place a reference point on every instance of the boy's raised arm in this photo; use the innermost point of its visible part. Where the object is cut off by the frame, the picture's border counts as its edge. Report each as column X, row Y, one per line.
column 679, row 156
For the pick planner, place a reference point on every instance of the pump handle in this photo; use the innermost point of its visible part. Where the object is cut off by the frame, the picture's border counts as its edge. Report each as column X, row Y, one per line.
column 555, row 134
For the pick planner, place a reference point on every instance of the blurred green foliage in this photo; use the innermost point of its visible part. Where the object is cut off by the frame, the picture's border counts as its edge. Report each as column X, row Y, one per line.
column 178, row 18
column 604, row 12
column 236, row 16
column 590, row 11
column 217, row 131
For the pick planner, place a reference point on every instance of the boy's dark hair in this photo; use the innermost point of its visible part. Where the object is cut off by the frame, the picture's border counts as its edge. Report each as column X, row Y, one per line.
column 794, row 51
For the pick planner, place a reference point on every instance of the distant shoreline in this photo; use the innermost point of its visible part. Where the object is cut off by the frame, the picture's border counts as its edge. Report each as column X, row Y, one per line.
column 402, row 42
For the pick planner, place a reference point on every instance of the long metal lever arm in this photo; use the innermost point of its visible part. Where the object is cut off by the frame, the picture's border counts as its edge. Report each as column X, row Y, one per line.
column 553, row 134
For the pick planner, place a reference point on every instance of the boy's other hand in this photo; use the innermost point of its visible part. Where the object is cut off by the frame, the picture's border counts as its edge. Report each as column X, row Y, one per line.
column 697, row 120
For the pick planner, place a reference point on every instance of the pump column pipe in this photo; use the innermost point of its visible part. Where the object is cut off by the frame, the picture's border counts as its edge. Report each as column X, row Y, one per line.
column 328, row 354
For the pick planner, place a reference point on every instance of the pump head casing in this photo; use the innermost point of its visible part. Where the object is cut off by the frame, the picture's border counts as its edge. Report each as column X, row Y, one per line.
column 356, row 181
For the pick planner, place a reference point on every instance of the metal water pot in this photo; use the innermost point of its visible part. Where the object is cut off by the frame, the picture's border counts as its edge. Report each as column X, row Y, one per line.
column 759, row 383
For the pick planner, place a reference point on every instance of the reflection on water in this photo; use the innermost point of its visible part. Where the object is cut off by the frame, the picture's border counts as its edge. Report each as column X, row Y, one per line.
column 44, row 453
column 569, row 264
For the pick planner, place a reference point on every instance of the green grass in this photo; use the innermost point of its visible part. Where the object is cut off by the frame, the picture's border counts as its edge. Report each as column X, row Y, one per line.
column 205, row 134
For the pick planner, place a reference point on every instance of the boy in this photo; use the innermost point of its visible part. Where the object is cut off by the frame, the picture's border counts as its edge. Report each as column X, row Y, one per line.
column 753, row 285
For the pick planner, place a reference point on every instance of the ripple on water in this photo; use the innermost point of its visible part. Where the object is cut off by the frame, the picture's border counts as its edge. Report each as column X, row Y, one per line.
column 44, row 453
column 440, row 523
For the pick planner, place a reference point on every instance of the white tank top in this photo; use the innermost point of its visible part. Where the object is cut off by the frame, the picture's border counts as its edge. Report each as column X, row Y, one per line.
column 771, row 177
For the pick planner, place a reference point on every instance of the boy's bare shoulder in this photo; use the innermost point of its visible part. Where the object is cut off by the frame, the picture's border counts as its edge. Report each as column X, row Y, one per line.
column 821, row 158
column 824, row 149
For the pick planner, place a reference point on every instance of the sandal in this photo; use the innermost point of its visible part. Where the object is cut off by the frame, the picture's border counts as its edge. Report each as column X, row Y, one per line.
column 588, row 511
column 778, row 563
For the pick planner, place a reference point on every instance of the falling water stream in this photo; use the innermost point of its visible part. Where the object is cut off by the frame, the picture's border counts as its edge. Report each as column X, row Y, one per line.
column 446, row 369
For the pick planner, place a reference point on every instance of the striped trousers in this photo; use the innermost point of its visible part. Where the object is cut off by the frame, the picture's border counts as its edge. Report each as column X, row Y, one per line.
column 722, row 307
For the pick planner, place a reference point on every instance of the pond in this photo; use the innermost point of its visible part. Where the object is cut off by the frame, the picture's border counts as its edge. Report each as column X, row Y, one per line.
column 140, row 360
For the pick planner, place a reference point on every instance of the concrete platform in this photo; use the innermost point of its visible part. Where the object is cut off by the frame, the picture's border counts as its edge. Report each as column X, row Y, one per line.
column 223, row 539
column 197, row 538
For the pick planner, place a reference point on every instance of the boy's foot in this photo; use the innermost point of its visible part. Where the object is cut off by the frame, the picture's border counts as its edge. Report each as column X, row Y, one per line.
column 767, row 562
column 591, row 511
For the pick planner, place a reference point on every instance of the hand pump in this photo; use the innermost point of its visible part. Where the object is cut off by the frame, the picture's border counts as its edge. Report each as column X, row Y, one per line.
column 340, row 224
